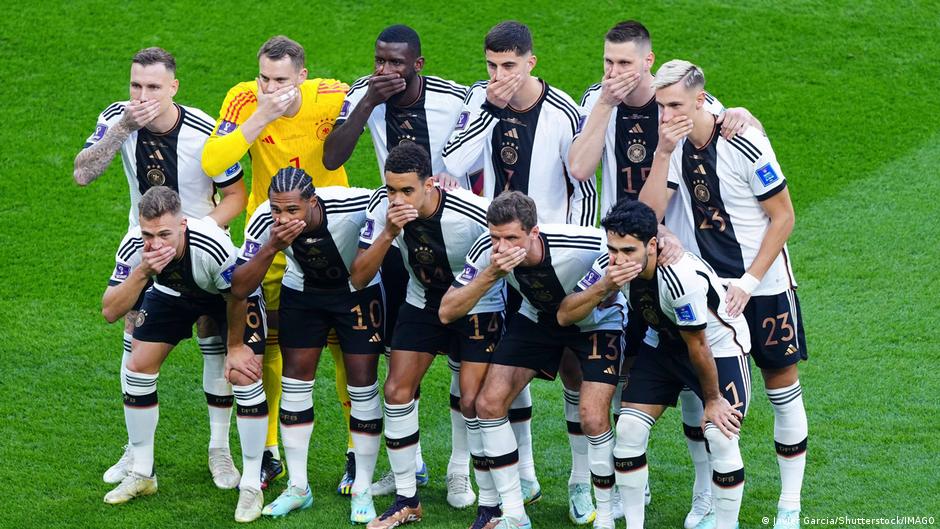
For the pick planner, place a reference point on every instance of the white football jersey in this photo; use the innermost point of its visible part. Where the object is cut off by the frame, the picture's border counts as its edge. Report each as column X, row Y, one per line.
column 685, row 296
column 525, row 150
column 434, row 249
column 317, row 261
column 716, row 210
column 569, row 252
column 428, row 122
column 172, row 159
column 204, row 270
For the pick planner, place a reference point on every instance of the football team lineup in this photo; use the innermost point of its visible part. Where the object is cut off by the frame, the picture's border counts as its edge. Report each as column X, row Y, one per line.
column 635, row 316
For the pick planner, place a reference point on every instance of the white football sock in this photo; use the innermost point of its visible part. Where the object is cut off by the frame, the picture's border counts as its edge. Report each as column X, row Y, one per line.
column 218, row 391
column 580, row 468
column 520, row 418
column 502, row 454
column 365, row 425
column 600, row 455
column 251, row 418
column 632, row 472
column 727, row 476
column 141, row 413
column 488, row 496
column 297, row 420
column 791, row 433
column 459, row 451
column 692, row 412
column 401, row 442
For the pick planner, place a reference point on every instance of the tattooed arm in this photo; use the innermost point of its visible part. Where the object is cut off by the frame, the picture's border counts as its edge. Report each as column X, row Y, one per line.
column 93, row 161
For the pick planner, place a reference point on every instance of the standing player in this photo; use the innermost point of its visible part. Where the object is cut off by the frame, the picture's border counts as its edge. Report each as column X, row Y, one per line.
column 191, row 262
column 280, row 119
column 622, row 129
column 520, row 129
column 693, row 342
column 543, row 263
column 161, row 144
column 399, row 104
column 728, row 202
column 435, row 228
column 318, row 231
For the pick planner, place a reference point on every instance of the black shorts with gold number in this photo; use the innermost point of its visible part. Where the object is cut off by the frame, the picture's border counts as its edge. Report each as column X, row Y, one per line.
column 539, row 347
column 358, row 317
column 776, row 326
column 658, row 376
column 471, row 338
column 169, row 319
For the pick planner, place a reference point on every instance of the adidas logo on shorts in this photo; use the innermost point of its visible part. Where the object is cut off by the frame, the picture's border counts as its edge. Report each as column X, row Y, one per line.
column 375, row 338
column 610, row 371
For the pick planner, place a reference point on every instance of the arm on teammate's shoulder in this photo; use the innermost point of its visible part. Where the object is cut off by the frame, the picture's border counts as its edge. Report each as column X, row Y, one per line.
column 119, row 299
column 94, row 159
column 234, row 200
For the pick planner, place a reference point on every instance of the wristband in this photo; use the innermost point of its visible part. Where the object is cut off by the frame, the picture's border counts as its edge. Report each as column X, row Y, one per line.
column 747, row 283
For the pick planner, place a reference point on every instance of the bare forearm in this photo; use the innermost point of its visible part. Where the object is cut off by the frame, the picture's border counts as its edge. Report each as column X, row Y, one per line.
column 770, row 247
column 249, row 275
column 704, row 364
column 119, row 299
column 94, row 161
column 234, row 200
column 236, row 311
column 588, row 147
column 368, row 262
column 342, row 140
column 457, row 302
column 577, row 305
column 655, row 191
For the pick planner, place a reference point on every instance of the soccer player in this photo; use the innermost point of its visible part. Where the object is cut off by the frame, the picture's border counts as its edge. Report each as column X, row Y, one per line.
column 161, row 144
column 693, row 341
column 399, row 104
column 435, row 229
column 728, row 202
column 280, row 119
column 318, row 231
column 191, row 262
column 543, row 263
column 622, row 129
column 519, row 128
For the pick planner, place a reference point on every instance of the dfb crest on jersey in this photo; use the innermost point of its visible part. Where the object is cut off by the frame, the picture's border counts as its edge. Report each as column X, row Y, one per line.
column 685, row 313
column 767, row 175
column 156, row 177
column 424, row 255
column 509, row 155
column 701, row 192
column 636, row 152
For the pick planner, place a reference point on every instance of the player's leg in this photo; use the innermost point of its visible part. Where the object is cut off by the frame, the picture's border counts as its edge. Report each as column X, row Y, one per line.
column 219, row 400
column 116, row 472
column 344, row 486
column 472, row 376
column 520, row 418
column 271, row 466
column 580, row 505
column 778, row 344
column 459, row 492
column 692, row 412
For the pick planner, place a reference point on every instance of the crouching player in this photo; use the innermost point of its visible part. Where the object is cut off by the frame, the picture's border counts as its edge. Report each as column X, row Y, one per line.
column 692, row 341
column 191, row 262
column 318, row 232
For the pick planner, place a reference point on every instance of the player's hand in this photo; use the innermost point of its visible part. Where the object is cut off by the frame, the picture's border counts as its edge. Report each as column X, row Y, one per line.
column 242, row 360
column 446, row 182
column 739, row 293
column 283, row 235
column 399, row 214
column 672, row 132
column 733, row 121
column 670, row 250
column 382, row 87
column 274, row 105
column 498, row 93
column 154, row 261
column 138, row 115
column 619, row 275
column 615, row 89
column 503, row 263
column 720, row 413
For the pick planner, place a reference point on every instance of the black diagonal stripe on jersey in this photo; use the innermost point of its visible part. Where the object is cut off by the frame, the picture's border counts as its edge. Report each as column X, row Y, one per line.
column 574, row 246
column 671, row 273
column 217, row 250
column 468, row 208
column 709, row 98
column 591, row 89
column 113, row 110
column 712, row 296
column 129, row 247
column 200, row 120
column 472, row 214
column 671, row 283
column 204, row 247
column 630, row 174
column 259, row 225
column 604, row 260
column 454, row 93
column 481, row 84
column 197, row 125
column 589, row 213
column 476, row 128
column 377, row 198
column 479, row 247
column 335, row 211
column 360, row 198
column 363, row 82
column 567, row 108
column 560, row 237
column 113, row 106
column 744, row 149
column 443, row 87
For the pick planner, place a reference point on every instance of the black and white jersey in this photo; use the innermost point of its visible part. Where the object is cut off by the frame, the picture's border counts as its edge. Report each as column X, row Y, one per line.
column 434, row 248
column 318, row 260
column 428, row 122
column 204, row 270
column 172, row 159
column 685, row 296
column 569, row 252
column 525, row 150
column 629, row 143
column 716, row 210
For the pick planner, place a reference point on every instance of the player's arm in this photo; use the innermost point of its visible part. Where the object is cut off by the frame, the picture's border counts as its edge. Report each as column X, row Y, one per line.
column 465, row 293
column 252, row 268
column 342, row 140
column 736, row 120
column 119, row 298
column 241, row 365
column 598, row 285
column 588, row 145
column 717, row 409
column 472, row 130
column 94, row 159
column 234, row 200
column 663, row 179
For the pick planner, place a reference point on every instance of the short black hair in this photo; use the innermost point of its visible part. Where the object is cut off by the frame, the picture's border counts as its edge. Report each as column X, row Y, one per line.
column 512, row 206
column 148, row 56
column 402, row 33
column 509, row 36
column 409, row 157
column 628, row 31
column 290, row 178
column 633, row 218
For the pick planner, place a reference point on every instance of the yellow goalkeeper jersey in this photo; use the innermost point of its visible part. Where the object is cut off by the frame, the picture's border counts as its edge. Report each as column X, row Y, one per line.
column 296, row 140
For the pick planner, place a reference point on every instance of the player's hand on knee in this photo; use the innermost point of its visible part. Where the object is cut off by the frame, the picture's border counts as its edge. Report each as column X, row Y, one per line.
column 138, row 114
column 672, row 132
column 241, row 365
column 274, row 105
column 719, row 412
column 283, row 235
column 382, row 87
column 154, row 261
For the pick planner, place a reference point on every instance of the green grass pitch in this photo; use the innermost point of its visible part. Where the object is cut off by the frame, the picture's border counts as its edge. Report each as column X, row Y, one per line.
column 848, row 93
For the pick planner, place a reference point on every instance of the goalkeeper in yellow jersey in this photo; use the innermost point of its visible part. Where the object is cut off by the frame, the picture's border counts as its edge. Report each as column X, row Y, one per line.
column 281, row 119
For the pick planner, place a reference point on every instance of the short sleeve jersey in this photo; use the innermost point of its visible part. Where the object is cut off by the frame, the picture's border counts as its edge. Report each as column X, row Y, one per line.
column 172, row 159
column 319, row 260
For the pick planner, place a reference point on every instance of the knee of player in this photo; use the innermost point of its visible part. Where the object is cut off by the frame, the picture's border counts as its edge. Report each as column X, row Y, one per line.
column 633, row 431
column 720, row 445
column 468, row 405
column 238, row 379
column 397, row 393
column 594, row 419
column 490, row 406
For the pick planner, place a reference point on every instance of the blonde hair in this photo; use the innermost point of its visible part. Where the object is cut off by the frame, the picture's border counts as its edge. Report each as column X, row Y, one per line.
column 676, row 71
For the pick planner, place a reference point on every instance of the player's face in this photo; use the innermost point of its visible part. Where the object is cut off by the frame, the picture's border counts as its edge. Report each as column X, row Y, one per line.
column 166, row 230
column 623, row 249
column 275, row 74
column 290, row 205
column 502, row 64
column 407, row 188
column 397, row 57
column 626, row 57
column 677, row 100
column 512, row 235
column 153, row 82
